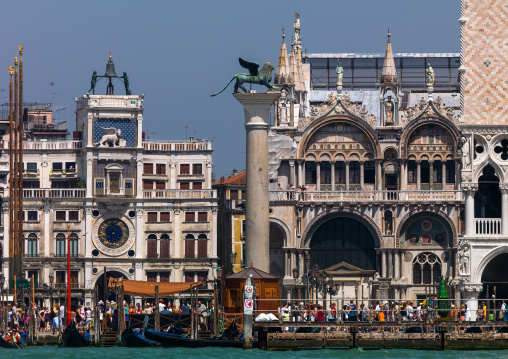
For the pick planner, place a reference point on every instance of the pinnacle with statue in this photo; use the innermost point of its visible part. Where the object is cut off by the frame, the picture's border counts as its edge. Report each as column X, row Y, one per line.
column 263, row 77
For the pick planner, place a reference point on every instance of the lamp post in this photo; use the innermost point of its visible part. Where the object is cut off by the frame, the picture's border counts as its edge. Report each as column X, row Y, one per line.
column 219, row 277
column 232, row 259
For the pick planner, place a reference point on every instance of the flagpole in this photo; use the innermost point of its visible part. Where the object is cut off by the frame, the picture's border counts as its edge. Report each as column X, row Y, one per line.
column 69, row 315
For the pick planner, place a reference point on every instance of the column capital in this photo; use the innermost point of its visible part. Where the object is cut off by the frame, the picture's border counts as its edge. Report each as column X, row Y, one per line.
column 503, row 187
column 291, row 163
column 257, row 107
column 469, row 187
column 471, row 289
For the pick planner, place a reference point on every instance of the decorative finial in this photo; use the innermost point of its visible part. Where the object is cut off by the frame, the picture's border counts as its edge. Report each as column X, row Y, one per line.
column 110, row 54
column 297, row 15
column 15, row 61
column 283, row 34
column 11, row 70
column 20, row 50
column 389, row 34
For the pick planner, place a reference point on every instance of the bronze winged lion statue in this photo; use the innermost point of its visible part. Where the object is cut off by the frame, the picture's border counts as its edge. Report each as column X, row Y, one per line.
column 254, row 76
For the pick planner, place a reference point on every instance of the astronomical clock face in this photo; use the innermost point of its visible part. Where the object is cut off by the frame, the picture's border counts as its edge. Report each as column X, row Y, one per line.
column 113, row 233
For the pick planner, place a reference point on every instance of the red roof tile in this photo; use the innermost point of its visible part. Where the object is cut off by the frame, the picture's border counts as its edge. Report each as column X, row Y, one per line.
column 238, row 178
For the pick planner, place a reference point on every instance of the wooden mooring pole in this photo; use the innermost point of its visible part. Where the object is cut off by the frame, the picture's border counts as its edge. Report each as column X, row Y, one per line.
column 248, row 312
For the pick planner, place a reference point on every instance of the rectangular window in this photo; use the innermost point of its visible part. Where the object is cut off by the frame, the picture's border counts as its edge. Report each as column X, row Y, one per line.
column 160, row 168
column 31, row 250
column 164, row 243
column 70, row 167
column 148, row 168
column 310, row 172
column 425, row 172
column 184, row 185
column 450, row 171
column 340, row 172
column 369, row 172
column 32, row 215
column 184, row 169
column 197, row 185
column 74, row 245
column 190, row 217
column 411, row 172
column 57, row 166
column 325, row 173
column 164, row 217
column 60, row 245
column 202, row 217
column 244, row 194
column 197, row 169
column 189, row 276
column 151, row 216
column 243, row 226
column 233, row 194
column 354, row 173
column 437, row 172
column 73, row 216
column 74, row 279
column 160, row 185
column 31, row 167
column 147, row 184
column 189, row 248
column 151, row 276
column 164, row 276
column 202, row 277
column 59, row 277
column 31, row 184
column 60, row 215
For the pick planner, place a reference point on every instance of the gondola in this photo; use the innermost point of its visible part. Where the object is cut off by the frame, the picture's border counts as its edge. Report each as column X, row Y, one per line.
column 131, row 340
column 5, row 344
column 175, row 340
column 71, row 337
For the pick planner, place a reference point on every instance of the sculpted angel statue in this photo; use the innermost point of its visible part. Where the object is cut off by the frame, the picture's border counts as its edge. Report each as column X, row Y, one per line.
column 430, row 75
column 466, row 160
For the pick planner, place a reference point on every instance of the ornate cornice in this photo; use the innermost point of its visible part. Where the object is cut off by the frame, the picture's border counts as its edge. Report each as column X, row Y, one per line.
column 469, row 187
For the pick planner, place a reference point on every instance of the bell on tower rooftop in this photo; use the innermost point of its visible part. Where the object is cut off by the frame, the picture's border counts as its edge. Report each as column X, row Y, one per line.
column 110, row 68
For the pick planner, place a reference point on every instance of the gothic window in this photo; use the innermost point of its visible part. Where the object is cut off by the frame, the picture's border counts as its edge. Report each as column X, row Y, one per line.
column 388, row 222
column 437, row 172
column 426, row 269
column 354, row 172
column 425, row 172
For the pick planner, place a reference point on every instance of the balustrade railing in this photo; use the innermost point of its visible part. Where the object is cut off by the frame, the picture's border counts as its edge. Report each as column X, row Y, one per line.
column 487, row 225
column 366, row 196
column 176, row 146
column 54, row 192
column 180, row 194
column 48, row 145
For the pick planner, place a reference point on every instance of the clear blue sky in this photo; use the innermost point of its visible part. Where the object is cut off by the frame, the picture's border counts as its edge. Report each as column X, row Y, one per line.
column 179, row 52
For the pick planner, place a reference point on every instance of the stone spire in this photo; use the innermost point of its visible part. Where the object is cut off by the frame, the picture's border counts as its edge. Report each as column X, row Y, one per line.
column 283, row 73
column 389, row 74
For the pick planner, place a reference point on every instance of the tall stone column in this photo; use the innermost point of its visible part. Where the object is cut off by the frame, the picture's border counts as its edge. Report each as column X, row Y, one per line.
column 301, row 180
column 292, row 173
column 332, row 169
column 383, row 263
column 88, row 234
column 257, row 111
column 140, row 240
column 318, row 176
column 418, row 175
column 504, row 209
column 396, row 255
column 469, row 189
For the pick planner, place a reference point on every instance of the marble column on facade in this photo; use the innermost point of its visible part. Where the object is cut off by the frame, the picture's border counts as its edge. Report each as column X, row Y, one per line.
column 403, row 176
column 383, row 263
column 457, row 175
column 418, row 175
column 389, row 264
column 332, row 171
column 443, row 174
column 44, row 173
column 139, row 178
column 214, row 234
column 504, row 208
column 140, row 240
column 431, row 174
column 88, row 233
column 470, row 293
column 379, row 181
column 208, row 180
column 172, row 175
column 469, row 189
column 257, row 108
column 347, row 175
column 318, row 176
column 90, row 185
column 300, row 180
column 48, row 236
column 396, row 255
column 292, row 173
column 362, row 179
column 6, row 244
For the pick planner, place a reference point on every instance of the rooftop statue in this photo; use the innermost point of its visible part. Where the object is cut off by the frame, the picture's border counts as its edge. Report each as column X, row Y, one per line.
column 430, row 75
column 263, row 77
column 126, row 83
column 93, row 82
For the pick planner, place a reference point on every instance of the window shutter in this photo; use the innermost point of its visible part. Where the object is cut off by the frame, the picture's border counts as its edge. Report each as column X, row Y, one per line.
column 184, row 169
column 164, row 248
column 202, row 248
column 189, row 217
column 202, row 217
column 148, row 168
column 152, row 248
column 189, row 248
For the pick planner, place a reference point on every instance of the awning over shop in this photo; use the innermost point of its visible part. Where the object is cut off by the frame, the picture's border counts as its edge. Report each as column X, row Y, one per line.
column 147, row 289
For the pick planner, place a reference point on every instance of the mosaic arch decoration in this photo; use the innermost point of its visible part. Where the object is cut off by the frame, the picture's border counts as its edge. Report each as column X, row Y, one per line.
column 425, row 229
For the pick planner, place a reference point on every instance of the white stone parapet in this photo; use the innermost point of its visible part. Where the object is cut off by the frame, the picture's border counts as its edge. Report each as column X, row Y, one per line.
column 167, row 146
column 48, row 145
column 109, row 101
column 180, row 193
column 367, row 196
column 53, row 192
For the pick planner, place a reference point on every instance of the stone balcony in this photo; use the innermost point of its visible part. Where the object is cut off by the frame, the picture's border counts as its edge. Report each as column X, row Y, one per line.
column 366, row 197
column 180, row 193
column 48, row 145
column 52, row 193
column 171, row 146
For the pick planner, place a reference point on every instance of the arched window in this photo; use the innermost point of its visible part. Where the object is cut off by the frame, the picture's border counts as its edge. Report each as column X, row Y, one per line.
column 426, row 269
column 202, row 246
column 164, row 246
column 60, row 245
column 74, row 244
column 151, row 244
column 31, row 245
column 388, row 222
column 189, row 246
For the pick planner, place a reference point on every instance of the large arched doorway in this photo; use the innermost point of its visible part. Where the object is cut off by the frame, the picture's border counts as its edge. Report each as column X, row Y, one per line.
column 110, row 295
column 276, row 252
column 343, row 239
column 487, row 200
column 494, row 279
